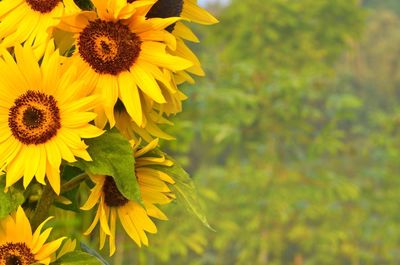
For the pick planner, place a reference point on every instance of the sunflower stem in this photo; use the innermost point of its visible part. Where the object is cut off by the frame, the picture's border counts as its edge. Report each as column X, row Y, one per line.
column 43, row 206
column 73, row 183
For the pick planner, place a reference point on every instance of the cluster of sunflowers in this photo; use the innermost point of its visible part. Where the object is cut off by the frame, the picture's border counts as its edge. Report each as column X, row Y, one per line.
column 106, row 71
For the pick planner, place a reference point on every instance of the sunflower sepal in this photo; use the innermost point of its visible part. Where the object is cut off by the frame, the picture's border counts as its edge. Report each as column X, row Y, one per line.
column 112, row 155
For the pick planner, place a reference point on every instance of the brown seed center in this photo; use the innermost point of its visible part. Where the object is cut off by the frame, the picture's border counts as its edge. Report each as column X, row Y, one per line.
column 108, row 47
column 13, row 260
column 16, row 254
column 34, row 118
column 112, row 196
column 43, row 6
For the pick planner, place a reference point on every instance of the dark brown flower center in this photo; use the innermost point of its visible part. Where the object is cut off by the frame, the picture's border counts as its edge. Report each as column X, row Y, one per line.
column 13, row 260
column 165, row 9
column 108, row 47
column 16, row 254
column 43, row 6
column 112, row 196
column 34, row 118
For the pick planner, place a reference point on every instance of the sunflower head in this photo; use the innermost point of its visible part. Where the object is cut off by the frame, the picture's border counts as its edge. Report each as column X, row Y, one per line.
column 134, row 218
column 125, row 55
column 34, row 118
column 108, row 47
column 18, row 245
column 46, row 113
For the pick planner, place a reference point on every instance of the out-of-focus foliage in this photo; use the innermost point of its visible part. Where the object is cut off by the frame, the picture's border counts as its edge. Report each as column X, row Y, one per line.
column 292, row 139
column 393, row 5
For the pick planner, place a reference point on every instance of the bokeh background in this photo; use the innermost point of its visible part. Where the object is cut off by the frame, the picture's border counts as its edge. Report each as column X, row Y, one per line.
column 293, row 138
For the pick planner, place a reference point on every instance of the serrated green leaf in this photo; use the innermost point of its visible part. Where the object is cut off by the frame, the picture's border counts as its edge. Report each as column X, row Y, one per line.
column 185, row 190
column 78, row 258
column 9, row 201
column 112, row 156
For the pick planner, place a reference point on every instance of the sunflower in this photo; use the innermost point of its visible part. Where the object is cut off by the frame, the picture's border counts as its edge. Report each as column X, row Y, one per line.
column 135, row 219
column 44, row 114
column 188, row 10
column 30, row 21
column 122, row 53
column 18, row 245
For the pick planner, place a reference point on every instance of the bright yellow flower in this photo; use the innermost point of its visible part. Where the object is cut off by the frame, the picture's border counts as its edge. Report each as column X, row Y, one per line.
column 193, row 13
column 112, row 205
column 18, row 245
column 123, row 54
column 44, row 113
column 29, row 21
column 188, row 10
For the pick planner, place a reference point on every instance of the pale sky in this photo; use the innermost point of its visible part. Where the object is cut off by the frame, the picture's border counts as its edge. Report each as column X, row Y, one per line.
column 204, row 2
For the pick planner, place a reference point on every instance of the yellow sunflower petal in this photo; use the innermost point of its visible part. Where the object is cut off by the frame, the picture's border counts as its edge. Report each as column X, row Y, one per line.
column 16, row 237
column 197, row 14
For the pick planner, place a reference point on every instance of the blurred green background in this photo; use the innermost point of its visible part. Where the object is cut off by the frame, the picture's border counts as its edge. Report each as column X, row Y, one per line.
column 293, row 138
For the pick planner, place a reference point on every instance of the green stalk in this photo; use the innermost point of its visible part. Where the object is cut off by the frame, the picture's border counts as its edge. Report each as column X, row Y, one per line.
column 73, row 183
column 42, row 208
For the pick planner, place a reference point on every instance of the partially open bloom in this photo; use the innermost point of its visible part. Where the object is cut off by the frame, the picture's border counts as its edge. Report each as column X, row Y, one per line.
column 18, row 245
column 135, row 219
column 123, row 54
column 188, row 10
column 192, row 12
column 44, row 113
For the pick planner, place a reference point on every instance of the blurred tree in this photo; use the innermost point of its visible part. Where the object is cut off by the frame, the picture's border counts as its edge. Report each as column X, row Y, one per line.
column 393, row 5
column 292, row 139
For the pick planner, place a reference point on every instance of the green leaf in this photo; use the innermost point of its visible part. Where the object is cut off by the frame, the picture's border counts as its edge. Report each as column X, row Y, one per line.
column 85, row 4
column 78, row 258
column 9, row 201
column 185, row 190
column 69, row 172
column 93, row 252
column 112, row 156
